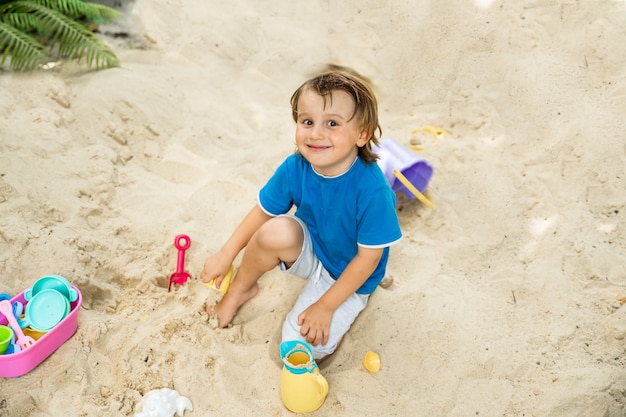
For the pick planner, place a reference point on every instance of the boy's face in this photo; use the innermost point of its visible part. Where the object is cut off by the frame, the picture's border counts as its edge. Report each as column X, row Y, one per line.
column 325, row 135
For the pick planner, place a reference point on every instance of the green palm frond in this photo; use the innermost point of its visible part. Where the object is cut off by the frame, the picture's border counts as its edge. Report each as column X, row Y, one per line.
column 93, row 12
column 54, row 23
column 17, row 17
column 26, row 53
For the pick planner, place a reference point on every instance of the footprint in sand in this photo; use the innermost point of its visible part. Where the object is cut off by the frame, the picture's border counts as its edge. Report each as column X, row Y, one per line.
column 93, row 218
column 6, row 191
column 95, row 297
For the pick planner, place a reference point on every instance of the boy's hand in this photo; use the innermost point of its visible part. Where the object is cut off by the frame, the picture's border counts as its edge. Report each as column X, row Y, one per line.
column 314, row 324
column 216, row 266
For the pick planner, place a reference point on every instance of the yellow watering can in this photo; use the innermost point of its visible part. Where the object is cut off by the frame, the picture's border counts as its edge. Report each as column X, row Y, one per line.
column 302, row 388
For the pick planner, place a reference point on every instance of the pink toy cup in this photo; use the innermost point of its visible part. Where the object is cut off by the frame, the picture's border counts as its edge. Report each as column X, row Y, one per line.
column 395, row 156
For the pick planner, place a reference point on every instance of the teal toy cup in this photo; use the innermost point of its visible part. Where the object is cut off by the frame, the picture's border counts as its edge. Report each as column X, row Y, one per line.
column 52, row 282
column 45, row 310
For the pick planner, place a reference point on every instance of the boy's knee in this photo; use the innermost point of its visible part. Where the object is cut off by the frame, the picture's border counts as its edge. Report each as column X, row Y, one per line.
column 280, row 232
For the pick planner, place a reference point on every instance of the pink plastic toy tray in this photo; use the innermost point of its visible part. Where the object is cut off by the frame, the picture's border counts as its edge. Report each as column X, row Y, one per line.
column 20, row 363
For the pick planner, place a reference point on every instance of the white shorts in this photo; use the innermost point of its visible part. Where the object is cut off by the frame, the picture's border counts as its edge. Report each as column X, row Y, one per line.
column 309, row 267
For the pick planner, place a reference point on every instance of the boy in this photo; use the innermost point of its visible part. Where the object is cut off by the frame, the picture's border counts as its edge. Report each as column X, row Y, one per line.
column 339, row 238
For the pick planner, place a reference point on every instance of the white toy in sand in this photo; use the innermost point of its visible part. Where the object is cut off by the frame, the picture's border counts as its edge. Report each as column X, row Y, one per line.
column 163, row 402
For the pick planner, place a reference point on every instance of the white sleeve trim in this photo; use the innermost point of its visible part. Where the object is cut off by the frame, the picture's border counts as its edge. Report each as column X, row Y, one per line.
column 380, row 246
column 258, row 201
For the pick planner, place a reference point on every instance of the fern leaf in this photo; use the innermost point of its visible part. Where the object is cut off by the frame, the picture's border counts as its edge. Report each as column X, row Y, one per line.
column 77, row 9
column 26, row 53
column 58, row 26
column 20, row 20
column 20, row 15
column 74, row 40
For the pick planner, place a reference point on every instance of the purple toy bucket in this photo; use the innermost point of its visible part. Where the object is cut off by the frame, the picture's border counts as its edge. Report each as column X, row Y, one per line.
column 415, row 168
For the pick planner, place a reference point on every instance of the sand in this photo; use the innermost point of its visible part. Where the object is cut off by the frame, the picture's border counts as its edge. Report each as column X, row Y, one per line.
column 507, row 299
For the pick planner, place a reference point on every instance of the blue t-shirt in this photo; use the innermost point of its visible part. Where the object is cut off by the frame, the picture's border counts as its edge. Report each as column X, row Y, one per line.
column 357, row 207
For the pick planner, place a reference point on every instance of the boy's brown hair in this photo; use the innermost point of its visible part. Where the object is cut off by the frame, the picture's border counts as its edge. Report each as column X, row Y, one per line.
column 358, row 87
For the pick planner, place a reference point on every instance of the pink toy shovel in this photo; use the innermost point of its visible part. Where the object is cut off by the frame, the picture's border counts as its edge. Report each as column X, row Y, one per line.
column 22, row 340
column 182, row 243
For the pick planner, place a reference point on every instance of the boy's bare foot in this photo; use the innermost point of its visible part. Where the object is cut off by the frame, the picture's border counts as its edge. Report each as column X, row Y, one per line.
column 227, row 307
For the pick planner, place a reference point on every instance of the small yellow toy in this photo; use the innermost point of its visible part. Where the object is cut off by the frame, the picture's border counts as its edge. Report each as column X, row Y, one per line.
column 225, row 282
column 437, row 132
column 432, row 131
column 371, row 362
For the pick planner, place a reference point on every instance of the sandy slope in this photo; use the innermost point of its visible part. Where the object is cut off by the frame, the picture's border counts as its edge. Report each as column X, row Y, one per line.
column 506, row 298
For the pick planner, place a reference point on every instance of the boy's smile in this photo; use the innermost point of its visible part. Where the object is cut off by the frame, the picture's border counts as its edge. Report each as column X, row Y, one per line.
column 327, row 134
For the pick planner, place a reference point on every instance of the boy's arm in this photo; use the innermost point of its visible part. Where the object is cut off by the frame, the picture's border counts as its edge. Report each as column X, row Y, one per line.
column 242, row 234
column 218, row 264
column 315, row 320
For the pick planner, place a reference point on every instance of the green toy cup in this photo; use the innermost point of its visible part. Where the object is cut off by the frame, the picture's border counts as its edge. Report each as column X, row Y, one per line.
column 6, row 334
